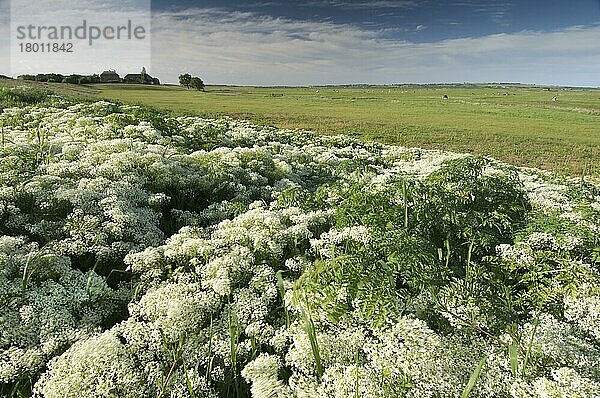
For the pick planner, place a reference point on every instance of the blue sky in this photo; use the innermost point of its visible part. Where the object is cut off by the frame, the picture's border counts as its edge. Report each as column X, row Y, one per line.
column 419, row 21
column 272, row 42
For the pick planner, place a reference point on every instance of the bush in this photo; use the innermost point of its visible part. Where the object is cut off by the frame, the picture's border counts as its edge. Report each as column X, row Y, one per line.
column 10, row 97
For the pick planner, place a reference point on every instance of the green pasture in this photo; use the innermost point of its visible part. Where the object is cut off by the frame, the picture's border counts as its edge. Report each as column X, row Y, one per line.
column 519, row 124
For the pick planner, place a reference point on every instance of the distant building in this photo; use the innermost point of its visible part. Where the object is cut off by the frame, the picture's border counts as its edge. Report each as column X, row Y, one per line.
column 141, row 78
column 133, row 78
column 109, row 76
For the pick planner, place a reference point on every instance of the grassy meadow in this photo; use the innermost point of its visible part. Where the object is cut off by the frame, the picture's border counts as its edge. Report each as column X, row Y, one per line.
column 520, row 125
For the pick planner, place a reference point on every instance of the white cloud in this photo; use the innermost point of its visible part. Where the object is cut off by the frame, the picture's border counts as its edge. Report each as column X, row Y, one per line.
column 497, row 11
column 248, row 48
column 362, row 4
column 420, row 28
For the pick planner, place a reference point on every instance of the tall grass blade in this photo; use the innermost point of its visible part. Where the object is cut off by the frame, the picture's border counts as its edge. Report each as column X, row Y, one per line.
column 210, row 353
column 309, row 327
column 233, row 353
column 447, row 244
column 357, row 380
column 405, row 198
column 527, row 354
column 474, row 377
column 514, row 359
column 188, row 382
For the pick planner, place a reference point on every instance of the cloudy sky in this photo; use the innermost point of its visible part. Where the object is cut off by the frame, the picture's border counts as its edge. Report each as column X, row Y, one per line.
column 275, row 42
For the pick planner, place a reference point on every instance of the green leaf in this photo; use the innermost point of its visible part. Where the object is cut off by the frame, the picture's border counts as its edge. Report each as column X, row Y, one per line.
column 309, row 328
column 514, row 359
column 474, row 377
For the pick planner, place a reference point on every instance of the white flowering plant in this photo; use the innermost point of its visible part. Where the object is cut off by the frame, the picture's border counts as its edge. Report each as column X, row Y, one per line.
column 143, row 254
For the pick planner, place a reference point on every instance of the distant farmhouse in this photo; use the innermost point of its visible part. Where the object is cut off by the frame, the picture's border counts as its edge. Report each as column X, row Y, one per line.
column 111, row 76
column 140, row 78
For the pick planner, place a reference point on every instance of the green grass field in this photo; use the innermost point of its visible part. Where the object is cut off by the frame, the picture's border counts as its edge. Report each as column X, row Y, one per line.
column 518, row 124
column 522, row 126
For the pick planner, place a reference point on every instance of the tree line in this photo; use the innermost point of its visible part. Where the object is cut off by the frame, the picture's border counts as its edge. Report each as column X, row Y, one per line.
column 58, row 78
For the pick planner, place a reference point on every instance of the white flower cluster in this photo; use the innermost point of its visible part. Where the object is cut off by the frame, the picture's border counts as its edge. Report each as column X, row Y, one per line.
column 583, row 308
column 150, row 256
column 100, row 366
column 556, row 344
column 328, row 242
column 46, row 307
column 564, row 382
column 544, row 192
column 406, row 359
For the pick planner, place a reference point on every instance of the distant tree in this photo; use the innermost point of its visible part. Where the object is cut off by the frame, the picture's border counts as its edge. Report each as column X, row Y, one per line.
column 54, row 78
column 72, row 79
column 185, row 80
column 144, row 78
column 58, row 78
column 197, row 84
